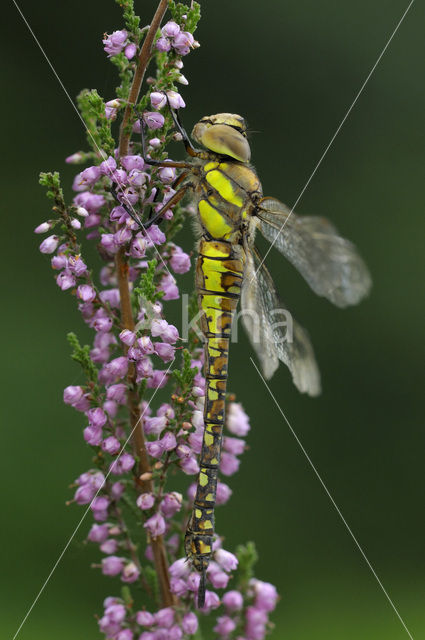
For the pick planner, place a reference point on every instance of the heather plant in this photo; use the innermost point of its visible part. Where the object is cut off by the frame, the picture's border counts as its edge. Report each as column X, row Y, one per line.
column 139, row 444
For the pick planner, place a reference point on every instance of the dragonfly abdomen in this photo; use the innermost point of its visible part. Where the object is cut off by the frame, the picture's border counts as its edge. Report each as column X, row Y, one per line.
column 219, row 274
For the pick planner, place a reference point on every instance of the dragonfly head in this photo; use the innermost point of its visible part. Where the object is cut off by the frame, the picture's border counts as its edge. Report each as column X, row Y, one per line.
column 225, row 134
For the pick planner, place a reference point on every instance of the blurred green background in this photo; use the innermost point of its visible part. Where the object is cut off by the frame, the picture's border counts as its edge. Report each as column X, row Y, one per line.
column 292, row 68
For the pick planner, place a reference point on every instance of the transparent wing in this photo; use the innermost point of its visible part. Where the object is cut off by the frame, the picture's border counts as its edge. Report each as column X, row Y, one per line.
column 273, row 332
column 329, row 263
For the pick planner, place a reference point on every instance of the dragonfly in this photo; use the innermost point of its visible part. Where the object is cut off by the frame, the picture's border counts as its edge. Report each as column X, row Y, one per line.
column 230, row 209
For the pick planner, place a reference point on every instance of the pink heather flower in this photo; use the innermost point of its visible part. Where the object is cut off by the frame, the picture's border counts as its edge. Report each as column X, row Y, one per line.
column 117, row 368
column 180, row 261
column 218, row 578
column 132, row 162
column 86, row 293
column 130, row 51
column 233, row 600
column 43, row 227
column 108, row 166
column 169, row 441
column 266, row 595
column 171, row 504
column 75, row 224
column 229, row 464
column 96, row 417
column 145, row 501
column 166, row 410
column 100, row 503
column 226, row 560
column 144, row 618
column 107, row 241
column 98, row 533
column 138, row 178
column 167, row 174
column 123, row 464
column 84, row 494
column 190, row 623
column 119, row 176
column 195, row 441
column 164, row 617
column 154, row 426
column 155, row 449
column 223, row 493
column 110, row 407
column 155, row 525
column 125, row 634
column 114, row 43
column 116, row 612
column 145, row 345
column 122, row 236
column 182, row 42
column 155, row 235
column 144, row 367
column 175, row 100
column 90, row 175
column 163, row 44
column 117, row 392
column 256, row 621
column 75, row 158
column 72, row 394
column 180, row 568
column 167, row 332
column 189, row 466
column 76, row 265
column 155, row 142
column 109, row 546
column 138, row 247
column 110, row 296
column 158, row 99
column 90, row 201
column 130, row 573
column 212, row 601
column 117, row 490
column 236, row 446
column 179, row 587
column 153, row 120
column 164, row 351
column 237, row 421
column 93, row 435
column 49, row 245
column 111, row 445
column 225, row 625
column 112, row 565
column 170, row 29
column 59, row 262
column 127, row 337
column 157, row 380
column 193, row 581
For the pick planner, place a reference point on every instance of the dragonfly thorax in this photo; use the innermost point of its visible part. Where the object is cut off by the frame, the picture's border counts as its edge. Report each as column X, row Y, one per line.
column 226, row 191
column 225, row 134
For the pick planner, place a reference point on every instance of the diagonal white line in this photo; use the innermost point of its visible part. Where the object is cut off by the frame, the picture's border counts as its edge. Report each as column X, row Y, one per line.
column 100, row 151
column 336, row 133
column 333, row 501
column 88, row 509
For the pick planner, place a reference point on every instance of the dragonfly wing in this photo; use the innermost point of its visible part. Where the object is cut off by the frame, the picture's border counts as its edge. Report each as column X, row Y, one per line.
column 329, row 263
column 273, row 332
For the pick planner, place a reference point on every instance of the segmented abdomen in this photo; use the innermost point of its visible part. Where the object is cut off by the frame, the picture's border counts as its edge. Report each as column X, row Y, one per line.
column 219, row 274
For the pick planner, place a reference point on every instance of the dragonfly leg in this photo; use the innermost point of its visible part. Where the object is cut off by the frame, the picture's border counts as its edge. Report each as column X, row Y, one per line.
column 171, row 202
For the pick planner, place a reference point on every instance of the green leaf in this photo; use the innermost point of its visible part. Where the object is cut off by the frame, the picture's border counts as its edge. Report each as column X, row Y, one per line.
column 82, row 356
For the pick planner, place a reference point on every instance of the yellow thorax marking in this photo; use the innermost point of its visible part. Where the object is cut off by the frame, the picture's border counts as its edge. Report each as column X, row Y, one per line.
column 224, row 187
column 213, row 221
column 210, row 166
